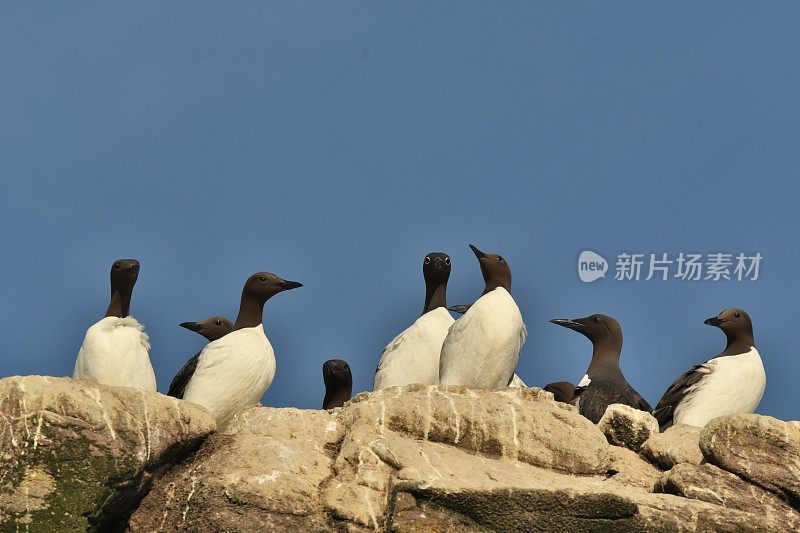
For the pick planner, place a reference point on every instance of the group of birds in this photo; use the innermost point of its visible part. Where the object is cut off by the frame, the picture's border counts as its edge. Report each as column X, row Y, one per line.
column 479, row 350
column 231, row 373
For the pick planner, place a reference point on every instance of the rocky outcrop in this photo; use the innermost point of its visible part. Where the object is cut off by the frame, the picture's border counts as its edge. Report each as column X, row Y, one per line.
column 713, row 485
column 760, row 449
column 77, row 455
column 677, row 445
column 418, row 458
column 439, row 459
column 267, row 472
column 625, row 426
column 350, row 460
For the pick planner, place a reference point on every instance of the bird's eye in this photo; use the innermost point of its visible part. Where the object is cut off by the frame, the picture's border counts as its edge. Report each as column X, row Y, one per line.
column 499, row 258
column 427, row 259
column 446, row 260
column 738, row 315
column 596, row 319
column 116, row 266
column 262, row 278
column 218, row 322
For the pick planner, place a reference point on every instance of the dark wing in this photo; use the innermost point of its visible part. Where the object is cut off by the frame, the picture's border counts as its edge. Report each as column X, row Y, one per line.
column 595, row 398
column 181, row 379
column 592, row 401
column 460, row 309
column 639, row 402
column 665, row 409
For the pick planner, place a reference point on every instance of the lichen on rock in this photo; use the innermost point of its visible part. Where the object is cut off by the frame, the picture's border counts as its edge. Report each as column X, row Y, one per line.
column 78, row 455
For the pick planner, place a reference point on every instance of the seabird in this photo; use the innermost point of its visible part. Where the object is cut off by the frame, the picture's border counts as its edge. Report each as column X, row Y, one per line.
column 115, row 350
column 482, row 347
column 516, row 381
column 727, row 384
column 603, row 383
column 212, row 329
column 563, row 391
column 338, row 383
column 235, row 371
column 413, row 355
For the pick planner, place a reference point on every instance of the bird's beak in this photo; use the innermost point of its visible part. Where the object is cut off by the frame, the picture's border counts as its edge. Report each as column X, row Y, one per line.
column 714, row 321
column 289, row 285
column 478, row 253
column 567, row 323
column 192, row 326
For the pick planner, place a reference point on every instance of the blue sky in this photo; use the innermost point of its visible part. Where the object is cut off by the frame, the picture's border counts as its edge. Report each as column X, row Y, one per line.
column 337, row 143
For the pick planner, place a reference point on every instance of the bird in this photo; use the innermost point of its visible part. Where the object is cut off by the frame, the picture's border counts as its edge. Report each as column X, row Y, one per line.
column 603, row 383
column 516, row 381
column 563, row 391
column 234, row 371
column 212, row 329
column 338, row 383
column 413, row 355
column 732, row 382
column 115, row 350
column 482, row 347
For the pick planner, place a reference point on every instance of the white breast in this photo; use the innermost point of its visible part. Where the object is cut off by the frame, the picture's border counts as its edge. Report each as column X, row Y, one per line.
column 115, row 352
column 413, row 355
column 733, row 384
column 482, row 348
column 232, row 374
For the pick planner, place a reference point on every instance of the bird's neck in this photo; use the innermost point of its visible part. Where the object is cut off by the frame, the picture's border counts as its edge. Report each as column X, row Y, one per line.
column 605, row 363
column 492, row 284
column 739, row 342
column 435, row 297
column 250, row 314
column 337, row 396
column 120, row 302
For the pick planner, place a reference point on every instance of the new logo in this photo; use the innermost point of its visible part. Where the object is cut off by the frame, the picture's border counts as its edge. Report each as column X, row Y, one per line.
column 591, row 266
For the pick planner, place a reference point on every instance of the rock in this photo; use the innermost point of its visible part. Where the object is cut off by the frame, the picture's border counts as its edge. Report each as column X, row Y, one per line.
column 627, row 468
column 760, row 449
column 78, row 455
column 664, row 512
column 424, row 458
column 314, row 465
column 556, row 502
column 521, row 424
column 677, row 445
column 711, row 484
column 625, row 426
column 266, row 473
